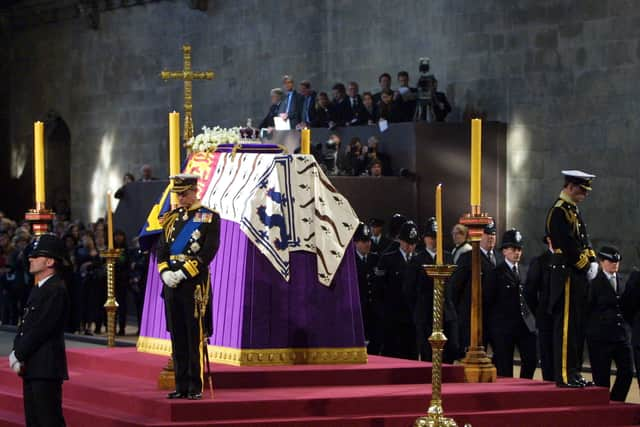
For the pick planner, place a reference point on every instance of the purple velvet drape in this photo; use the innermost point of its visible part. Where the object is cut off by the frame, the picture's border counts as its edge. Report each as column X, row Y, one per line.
column 254, row 307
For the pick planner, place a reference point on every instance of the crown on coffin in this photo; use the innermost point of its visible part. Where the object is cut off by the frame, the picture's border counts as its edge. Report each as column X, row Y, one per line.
column 210, row 137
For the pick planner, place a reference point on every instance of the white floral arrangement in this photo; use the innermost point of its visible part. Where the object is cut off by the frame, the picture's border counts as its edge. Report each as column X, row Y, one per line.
column 210, row 138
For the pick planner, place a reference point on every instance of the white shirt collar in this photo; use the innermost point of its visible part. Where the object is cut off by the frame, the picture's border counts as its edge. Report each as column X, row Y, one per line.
column 509, row 264
column 43, row 281
column 609, row 275
column 432, row 253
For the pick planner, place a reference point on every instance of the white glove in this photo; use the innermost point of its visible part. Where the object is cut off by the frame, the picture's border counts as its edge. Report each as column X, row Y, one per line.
column 14, row 363
column 169, row 278
column 179, row 276
column 593, row 271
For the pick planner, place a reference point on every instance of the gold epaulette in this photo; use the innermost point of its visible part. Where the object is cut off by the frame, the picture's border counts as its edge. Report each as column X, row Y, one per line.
column 167, row 214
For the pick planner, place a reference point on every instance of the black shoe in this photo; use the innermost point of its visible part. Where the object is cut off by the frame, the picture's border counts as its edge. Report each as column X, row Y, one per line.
column 121, row 333
column 194, row 396
column 584, row 381
column 570, row 384
column 176, row 395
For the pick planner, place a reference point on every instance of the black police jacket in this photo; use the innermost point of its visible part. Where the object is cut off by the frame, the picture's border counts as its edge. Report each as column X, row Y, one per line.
column 39, row 343
column 501, row 298
column 605, row 319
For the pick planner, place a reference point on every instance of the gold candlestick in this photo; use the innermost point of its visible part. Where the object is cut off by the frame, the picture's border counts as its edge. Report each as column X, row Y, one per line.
column 40, row 218
column 435, row 414
column 111, row 305
column 477, row 366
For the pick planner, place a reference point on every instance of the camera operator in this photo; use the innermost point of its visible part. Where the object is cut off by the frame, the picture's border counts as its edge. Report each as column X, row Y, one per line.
column 441, row 106
column 426, row 93
column 406, row 96
column 330, row 155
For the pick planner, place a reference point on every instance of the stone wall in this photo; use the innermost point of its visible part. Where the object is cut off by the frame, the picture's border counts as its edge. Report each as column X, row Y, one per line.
column 561, row 73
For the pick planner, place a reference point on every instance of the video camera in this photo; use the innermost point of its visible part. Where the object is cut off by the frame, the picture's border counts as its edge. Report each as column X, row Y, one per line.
column 426, row 92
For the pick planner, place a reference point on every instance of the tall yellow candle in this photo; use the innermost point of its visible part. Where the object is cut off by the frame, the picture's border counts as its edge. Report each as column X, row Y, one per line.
column 439, row 249
column 109, row 222
column 174, row 143
column 476, row 161
column 38, row 162
column 174, row 150
column 305, row 144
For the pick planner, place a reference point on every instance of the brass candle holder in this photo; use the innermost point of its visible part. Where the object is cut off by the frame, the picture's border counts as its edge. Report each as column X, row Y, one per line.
column 111, row 305
column 435, row 415
column 40, row 219
column 477, row 365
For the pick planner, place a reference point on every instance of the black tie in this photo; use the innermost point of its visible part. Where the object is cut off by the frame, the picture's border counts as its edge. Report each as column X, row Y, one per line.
column 492, row 260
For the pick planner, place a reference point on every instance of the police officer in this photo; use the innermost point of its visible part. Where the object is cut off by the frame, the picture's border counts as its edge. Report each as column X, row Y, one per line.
column 397, row 274
column 379, row 242
column 460, row 282
column 189, row 241
column 510, row 321
column 38, row 349
column 426, row 255
column 370, row 295
column 537, row 296
column 573, row 265
column 608, row 334
column 395, row 224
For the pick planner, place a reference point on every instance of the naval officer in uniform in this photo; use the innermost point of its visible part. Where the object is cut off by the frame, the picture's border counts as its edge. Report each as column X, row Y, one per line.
column 573, row 265
column 189, row 241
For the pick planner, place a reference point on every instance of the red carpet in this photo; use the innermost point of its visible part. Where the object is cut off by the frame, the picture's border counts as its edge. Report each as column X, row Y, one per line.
column 117, row 388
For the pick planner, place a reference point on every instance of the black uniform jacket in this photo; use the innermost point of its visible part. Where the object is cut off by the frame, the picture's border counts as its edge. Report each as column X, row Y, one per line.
column 398, row 279
column 605, row 320
column 370, row 293
column 39, row 343
column 537, row 288
column 201, row 246
column 501, row 296
column 631, row 305
column 570, row 241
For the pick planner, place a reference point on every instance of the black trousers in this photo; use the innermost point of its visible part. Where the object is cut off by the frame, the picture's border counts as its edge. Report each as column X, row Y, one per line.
column 43, row 403
column 373, row 324
column 400, row 341
column 601, row 354
column 568, row 329
column 186, row 345
column 451, row 351
column 504, row 345
column 545, row 343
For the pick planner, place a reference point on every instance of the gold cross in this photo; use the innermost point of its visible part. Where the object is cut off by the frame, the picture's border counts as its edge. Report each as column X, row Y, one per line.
column 188, row 76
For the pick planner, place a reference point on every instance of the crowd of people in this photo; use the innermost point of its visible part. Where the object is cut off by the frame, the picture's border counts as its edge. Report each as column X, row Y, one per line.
column 346, row 106
column 84, row 272
column 566, row 299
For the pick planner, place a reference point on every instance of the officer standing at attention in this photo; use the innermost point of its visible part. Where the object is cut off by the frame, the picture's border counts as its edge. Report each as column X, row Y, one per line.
column 537, row 296
column 370, row 296
column 510, row 321
column 397, row 274
column 608, row 334
column 573, row 265
column 38, row 354
column 427, row 255
column 460, row 282
column 189, row 241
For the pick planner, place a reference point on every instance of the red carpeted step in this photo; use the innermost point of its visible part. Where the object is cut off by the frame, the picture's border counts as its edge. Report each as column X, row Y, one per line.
column 569, row 416
column 379, row 370
column 11, row 399
column 11, row 419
